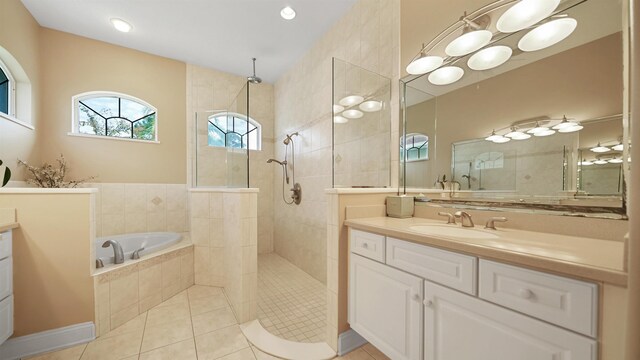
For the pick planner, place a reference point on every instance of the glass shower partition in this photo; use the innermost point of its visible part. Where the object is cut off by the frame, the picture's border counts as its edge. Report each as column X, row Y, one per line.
column 221, row 156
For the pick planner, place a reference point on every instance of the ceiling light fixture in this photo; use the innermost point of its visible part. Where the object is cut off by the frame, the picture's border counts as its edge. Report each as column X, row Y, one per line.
column 586, row 162
column 371, row 106
column 615, row 161
column 564, row 124
column 501, row 140
column 121, row 25
column 538, row 129
column 288, row 13
column 490, row 58
column 468, row 42
column 546, row 132
column 547, row 34
column 424, row 64
column 446, row 75
column 618, row 147
column 352, row 114
column 600, row 162
column 600, row 149
column 337, row 108
column 576, row 127
column 524, row 14
column 351, row 100
column 493, row 136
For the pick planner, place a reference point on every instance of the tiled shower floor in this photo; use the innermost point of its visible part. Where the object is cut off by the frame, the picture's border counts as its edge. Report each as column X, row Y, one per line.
column 291, row 303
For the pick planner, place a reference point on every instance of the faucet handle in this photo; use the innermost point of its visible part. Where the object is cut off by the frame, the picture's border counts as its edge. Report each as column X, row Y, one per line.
column 492, row 220
column 451, row 219
column 136, row 254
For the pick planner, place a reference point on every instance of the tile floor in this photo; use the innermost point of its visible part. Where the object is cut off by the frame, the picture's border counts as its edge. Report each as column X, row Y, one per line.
column 291, row 303
column 196, row 324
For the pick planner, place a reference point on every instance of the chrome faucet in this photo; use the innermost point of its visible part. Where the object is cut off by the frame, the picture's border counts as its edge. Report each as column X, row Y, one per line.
column 136, row 254
column 465, row 217
column 117, row 251
column 450, row 218
column 491, row 222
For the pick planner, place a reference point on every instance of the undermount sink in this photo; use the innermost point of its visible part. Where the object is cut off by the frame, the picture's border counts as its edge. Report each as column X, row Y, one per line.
column 453, row 231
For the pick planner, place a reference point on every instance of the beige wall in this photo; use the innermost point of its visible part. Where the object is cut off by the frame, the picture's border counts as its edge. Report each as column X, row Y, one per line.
column 19, row 35
column 75, row 65
column 51, row 260
column 367, row 36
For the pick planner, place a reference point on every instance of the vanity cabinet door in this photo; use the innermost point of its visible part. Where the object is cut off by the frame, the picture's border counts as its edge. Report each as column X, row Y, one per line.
column 461, row 327
column 385, row 307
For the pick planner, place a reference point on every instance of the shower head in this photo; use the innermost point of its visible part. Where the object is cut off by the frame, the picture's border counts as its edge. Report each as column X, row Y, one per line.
column 283, row 163
column 254, row 79
column 288, row 139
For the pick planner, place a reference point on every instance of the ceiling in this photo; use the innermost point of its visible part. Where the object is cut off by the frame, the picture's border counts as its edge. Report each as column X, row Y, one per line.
column 219, row 34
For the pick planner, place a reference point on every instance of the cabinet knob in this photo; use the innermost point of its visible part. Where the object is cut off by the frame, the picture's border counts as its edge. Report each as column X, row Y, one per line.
column 428, row 303
column 365, row 245
column 525, row 293
column 416, row 297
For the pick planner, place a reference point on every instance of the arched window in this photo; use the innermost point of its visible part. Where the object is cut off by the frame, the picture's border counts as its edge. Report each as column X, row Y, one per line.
column 7, row 91
column 111, row 114
column 417, row 147
column 234, row 131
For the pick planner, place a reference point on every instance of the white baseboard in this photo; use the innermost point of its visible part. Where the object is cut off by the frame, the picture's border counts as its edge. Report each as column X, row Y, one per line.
column 49, row 340
column 349, row 341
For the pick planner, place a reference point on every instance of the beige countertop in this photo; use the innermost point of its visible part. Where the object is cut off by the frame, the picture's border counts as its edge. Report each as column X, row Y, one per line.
column 584, row 258
column 8, row 226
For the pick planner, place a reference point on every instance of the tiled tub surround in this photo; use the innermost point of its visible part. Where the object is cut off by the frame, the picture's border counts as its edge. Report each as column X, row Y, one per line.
column 138, row 208
column 122, row 292
column 224, row 234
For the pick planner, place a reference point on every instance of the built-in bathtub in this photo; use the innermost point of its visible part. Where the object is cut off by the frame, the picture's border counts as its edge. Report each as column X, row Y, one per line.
column 150, row 242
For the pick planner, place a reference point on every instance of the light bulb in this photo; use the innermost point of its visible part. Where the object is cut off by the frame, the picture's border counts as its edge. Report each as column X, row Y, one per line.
column 446, row 75
column 288, row 13
column 524, row 14
column 547, row 34
column 121, row 25
column 468, row 43
column 424, row 64
column 489, row 58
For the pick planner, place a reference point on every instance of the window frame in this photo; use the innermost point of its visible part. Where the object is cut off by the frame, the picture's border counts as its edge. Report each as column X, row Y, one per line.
column 11, row 101
column 404, row 153
column 75, row 113
column 255, row 123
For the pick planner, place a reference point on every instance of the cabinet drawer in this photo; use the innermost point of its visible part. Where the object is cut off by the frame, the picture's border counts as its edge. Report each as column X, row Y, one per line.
column 565, row 302
column 368, row 245
column 6, row 277
column 454, row 270
column 6, row 318
column 5, row 244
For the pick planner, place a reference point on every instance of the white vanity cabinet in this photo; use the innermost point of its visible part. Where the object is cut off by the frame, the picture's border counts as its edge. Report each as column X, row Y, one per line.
column 414, row 301
column 6, row 286
column 385, row 307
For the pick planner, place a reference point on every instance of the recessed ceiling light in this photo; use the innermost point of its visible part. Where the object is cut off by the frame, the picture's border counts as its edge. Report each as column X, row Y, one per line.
column 547, row 34
column 524, row 14
column 446, row 75
column 287, row 13
column 121, row 25
column 489, row 58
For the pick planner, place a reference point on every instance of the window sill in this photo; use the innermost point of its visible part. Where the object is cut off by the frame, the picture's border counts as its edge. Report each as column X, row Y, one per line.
column 114, row 138
column 15, row 120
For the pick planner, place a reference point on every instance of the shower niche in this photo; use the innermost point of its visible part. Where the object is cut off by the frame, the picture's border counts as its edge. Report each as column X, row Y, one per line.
column 361, row 116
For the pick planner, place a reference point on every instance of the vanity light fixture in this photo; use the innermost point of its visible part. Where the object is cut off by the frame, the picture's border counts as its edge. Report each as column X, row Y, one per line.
column 586, row 162
column 121, row 25
column 524, row 14
column 538, row 129
column 546, row 132
column 340, row 119
column 446, row 75
column 474, row 36
column 352, row 114
column 287, row 13
column 565, row 123
column 490, row 58
column 616, row 160
column 600, row 149
column 371, row 106
column 501, row 140
column 493, row 136
column 600, row 162
column 574, row 128
column 547, row 34
column 337, row 108
column 351, row 100
column 618, row 147
column 424, row 64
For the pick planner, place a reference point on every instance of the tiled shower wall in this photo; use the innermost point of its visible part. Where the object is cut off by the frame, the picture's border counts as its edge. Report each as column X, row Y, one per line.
column 209, row 89
column 367, row 36
column 135, row 208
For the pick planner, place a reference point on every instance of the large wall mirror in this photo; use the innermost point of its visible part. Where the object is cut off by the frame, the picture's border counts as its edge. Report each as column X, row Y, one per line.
column 544, row 127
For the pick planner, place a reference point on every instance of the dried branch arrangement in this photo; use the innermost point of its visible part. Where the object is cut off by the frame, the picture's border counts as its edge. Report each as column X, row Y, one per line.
column 46, row 176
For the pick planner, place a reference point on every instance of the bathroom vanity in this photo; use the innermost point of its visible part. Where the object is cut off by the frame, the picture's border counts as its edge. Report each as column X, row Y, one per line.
column 6, row 282
column 421, row 289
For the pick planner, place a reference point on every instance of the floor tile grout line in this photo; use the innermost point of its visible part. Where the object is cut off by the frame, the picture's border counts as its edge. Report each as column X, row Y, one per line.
column 144, row 330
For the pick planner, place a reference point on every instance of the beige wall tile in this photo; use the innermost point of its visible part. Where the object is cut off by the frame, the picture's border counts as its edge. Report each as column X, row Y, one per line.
column 200, row 231
column 200, row 205
column 123, row 292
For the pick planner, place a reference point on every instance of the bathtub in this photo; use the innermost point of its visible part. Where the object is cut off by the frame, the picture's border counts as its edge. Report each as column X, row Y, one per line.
column 151, row 242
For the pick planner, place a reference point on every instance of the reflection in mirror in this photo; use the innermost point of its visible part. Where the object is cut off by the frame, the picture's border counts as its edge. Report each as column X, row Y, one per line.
column 361, row 127
column 526, row 128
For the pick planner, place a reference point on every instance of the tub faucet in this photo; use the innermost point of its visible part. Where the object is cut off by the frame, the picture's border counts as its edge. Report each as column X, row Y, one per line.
column 117, row 250
column 136, row 254
column 465, row 217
